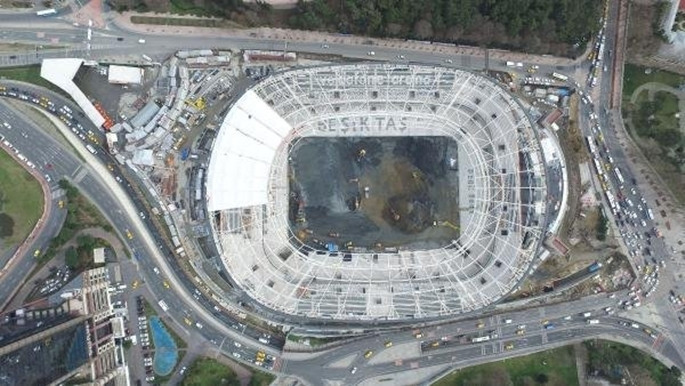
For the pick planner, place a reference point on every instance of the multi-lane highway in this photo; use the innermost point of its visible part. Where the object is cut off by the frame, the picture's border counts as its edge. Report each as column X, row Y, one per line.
column 225, row 332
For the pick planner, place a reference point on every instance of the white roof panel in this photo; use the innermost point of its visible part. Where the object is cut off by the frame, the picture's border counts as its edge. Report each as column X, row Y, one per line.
column 61, row 72
column 238, row 173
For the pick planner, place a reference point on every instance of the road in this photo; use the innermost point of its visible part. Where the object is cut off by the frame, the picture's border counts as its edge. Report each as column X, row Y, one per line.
column 49, row 162
column 106, row 44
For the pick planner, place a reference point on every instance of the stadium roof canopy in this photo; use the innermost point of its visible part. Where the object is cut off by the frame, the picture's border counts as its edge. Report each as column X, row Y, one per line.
column 125, row 75
column 246, row 145
column 61, row 72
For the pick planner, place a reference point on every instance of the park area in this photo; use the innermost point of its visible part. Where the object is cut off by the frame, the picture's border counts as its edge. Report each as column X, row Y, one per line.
column 209, row 371
column 603, row 361
column 21, row 202
column 653, row 111
column 554, row 367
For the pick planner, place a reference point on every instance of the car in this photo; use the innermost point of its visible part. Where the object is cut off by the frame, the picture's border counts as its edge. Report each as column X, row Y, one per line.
column 449, row 61
column 418, row 335
column 198, row 325
column 142, row 215
column 237, row 344
column 183, row 370
column 371, row 53
column 324, row 46
column 388, row 344
column 368, row 354
column 480, row 325
column 353, row 370
column 36, row 253
column 237, row 355
column 119, row 39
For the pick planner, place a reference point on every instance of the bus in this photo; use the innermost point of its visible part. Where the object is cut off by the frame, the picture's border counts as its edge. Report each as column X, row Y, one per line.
column 618, row 175
column 591, row 145
column 480, row 339
column 47, row 12
column 559, row 76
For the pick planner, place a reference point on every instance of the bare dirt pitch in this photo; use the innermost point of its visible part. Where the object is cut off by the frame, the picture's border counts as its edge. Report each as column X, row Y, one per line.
column 374, row 192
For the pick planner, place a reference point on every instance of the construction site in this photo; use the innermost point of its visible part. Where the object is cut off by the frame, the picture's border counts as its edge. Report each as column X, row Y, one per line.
column 374, row 192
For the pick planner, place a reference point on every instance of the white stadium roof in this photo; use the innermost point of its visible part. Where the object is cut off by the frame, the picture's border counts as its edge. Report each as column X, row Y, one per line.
column 245, row 149
column 61, row 72
column 501, row 192
column 125, row 75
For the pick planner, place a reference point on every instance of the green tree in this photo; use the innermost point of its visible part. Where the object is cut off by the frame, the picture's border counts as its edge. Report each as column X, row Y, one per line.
column 71, row 258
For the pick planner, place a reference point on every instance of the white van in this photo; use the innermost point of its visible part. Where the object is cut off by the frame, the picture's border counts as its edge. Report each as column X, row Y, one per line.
column 141, row 41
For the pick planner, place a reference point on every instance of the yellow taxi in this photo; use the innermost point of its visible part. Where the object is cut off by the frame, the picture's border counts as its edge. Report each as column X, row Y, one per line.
column 129, row 234
column 520, row 332
column 388, row 344
column 509, row 346
column 135, row 284
column 260, row 356
column 368, row 354
column 480, row 325
column 435, row 344
column 188, row 321
column 166, row 284
column 36, row 253
column 61, row 204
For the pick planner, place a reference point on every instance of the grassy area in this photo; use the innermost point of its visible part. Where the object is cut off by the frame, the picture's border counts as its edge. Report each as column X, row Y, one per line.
column 29, row 74
column 553, row 367
column 634, row 76
column 186, row 7
column 616, row 361
column 208, row 371
column 185, row 22
column 261, row 378
column 21, row 201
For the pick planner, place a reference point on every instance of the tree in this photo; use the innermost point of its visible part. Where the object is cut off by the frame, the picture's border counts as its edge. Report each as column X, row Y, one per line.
column 542, row 378
column 71, row 258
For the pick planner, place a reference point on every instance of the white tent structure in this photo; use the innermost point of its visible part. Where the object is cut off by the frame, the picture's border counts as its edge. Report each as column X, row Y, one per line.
column 125, row 75
column 61, row 72
column 245, row 148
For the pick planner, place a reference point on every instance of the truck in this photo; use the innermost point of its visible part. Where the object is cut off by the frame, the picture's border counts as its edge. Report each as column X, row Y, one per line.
column 559, row 76
column 594, row 267
column 511, row 64
column 164, row 306
column 593, row 321
column 184, row 153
